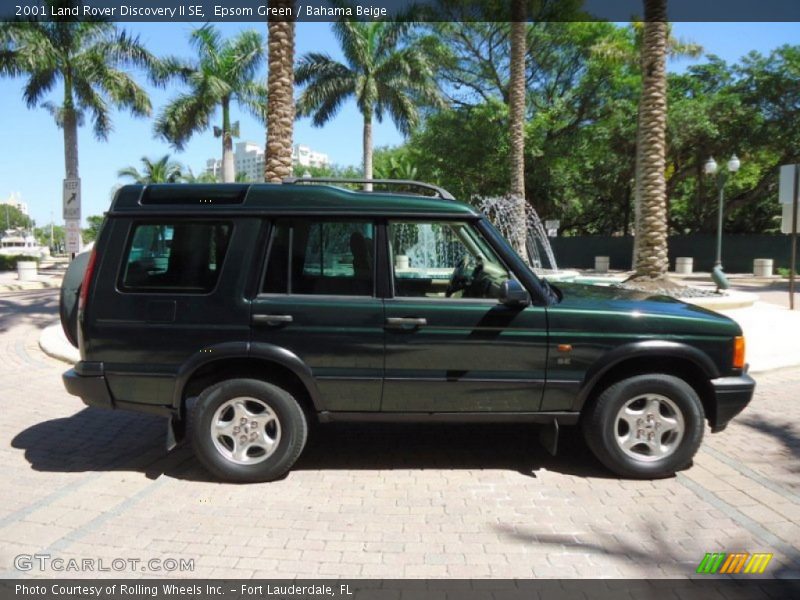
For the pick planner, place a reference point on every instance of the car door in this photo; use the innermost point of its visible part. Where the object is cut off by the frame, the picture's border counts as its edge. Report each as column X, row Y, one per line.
column 450, row 345
column 318, row 301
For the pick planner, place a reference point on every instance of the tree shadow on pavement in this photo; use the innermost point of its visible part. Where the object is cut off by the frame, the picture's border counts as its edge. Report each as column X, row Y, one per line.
column 653, row 549
column 784, row 433
column 102, row 440
column 38, row 308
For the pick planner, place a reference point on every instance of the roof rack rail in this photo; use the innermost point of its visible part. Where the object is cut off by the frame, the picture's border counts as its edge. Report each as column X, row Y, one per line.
column 440, row 191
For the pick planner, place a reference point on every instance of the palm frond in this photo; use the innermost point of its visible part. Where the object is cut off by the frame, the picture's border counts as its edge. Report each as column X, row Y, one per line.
column 183, row 117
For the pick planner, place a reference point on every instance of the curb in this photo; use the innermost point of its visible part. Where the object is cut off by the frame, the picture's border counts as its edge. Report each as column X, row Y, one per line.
column 54, row 343
column 729, row 301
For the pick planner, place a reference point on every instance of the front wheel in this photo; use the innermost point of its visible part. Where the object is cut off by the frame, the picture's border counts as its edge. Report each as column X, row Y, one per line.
column 247, row 430
column 645, row 427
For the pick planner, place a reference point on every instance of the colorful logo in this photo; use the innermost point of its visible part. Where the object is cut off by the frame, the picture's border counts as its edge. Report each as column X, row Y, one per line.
column 734, row 563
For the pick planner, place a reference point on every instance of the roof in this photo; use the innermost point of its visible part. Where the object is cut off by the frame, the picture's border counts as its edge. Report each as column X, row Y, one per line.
column 278, row 199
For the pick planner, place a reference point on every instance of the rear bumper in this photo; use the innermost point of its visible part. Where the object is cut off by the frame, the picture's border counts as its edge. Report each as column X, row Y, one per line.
column 87, row 381
column 731, row 395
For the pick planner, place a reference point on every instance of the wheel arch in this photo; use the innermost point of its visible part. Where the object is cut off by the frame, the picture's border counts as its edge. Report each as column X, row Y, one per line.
column 266, row 362
column 671, row 358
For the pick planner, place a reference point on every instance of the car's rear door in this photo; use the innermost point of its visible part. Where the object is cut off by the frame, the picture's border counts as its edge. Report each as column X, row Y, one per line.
column 318, row 300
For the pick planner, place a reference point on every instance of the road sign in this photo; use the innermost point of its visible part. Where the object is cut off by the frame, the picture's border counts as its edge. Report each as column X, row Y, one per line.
column 786, row 221
column 72, row 199
column 552, row 225
column 73, row 235
column 786, row 188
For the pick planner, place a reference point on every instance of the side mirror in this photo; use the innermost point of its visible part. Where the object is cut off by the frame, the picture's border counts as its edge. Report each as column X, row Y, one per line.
column 513, row 294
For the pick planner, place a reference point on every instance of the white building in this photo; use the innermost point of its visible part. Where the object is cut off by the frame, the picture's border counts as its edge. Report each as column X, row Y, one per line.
column 248, row 158
column 14, row 200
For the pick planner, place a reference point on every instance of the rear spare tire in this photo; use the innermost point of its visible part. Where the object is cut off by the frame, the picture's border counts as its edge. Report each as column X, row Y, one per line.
column 68, row 299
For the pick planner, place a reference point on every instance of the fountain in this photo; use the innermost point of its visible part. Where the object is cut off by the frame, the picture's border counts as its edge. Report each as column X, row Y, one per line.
column 499, row 212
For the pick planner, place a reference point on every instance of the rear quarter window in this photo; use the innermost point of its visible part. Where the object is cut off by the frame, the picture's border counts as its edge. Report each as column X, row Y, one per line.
column 175, row 256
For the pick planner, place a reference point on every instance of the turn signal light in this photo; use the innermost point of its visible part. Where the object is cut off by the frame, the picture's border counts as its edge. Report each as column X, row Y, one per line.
column 738, row 352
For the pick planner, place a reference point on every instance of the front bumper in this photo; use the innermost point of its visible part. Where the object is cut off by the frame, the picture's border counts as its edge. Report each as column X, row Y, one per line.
column 87, row 381
column 731, row 395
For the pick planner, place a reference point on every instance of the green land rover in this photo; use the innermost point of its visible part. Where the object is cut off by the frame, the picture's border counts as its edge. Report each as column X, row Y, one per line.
column 244, row 313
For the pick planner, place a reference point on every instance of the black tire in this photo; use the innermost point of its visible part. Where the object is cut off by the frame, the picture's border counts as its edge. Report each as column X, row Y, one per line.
column 291, row 425
column 601, row 428
column 68, row 297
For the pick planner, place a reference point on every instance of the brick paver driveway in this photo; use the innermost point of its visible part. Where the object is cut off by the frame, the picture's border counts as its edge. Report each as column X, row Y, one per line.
column 392, row 501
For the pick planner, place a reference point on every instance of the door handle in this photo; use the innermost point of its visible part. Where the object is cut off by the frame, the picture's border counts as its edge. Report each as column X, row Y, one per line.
column 272, row 320
column 406, row 322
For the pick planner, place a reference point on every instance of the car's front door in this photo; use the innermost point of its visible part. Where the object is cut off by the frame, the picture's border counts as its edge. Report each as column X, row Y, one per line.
column 450, row 345
column 318, row 301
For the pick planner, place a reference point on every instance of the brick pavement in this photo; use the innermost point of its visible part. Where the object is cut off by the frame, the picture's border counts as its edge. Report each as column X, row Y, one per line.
column 378, row 501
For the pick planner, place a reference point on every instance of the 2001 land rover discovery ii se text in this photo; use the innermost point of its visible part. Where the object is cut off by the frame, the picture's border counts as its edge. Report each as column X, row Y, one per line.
column 249, row 311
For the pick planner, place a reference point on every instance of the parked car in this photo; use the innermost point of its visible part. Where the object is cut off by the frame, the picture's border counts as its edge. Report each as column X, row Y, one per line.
column 251, row 311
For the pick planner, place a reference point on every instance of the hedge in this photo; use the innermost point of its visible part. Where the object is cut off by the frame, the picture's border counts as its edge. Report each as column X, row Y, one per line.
column 9, row 263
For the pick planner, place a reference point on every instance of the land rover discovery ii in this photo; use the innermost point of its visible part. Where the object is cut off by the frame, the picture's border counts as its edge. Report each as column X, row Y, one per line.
column 249, row 311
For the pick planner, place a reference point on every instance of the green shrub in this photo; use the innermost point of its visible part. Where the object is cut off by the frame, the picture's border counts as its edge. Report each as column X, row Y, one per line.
column 784, row 272
column 9, row 263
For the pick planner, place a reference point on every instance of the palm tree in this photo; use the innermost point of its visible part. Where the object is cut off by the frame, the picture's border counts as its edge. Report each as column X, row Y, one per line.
column 280, row 103
column 650, row 260
column 91, row 61
column 516, row 122
column 204, row 177
column 222, row 74
column 162, row 170
column 382, row 75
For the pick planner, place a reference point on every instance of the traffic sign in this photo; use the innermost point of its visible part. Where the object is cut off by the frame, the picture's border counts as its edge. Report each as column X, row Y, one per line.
column 73, row 235
column 786, row 220
column 72, row 199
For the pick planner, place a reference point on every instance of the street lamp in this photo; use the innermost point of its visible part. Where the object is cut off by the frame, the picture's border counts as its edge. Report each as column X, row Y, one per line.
column 712, row 169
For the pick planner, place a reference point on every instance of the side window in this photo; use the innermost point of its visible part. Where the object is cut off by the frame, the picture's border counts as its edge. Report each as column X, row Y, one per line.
column 444, row 260
column 183, row 257
column 321, row 258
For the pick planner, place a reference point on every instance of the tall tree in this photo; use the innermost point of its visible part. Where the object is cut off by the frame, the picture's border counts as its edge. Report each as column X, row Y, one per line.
column 380, row 72
column 650, row 260
column 162, row 170
column 222, row 74
column 91, row 61
column 280, row 105
column 516, row 124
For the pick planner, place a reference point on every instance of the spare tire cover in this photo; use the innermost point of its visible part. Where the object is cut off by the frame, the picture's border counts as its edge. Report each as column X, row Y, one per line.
column 68, row 303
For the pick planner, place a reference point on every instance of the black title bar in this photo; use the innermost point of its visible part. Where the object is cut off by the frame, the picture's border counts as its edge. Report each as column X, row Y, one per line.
column 418, row 10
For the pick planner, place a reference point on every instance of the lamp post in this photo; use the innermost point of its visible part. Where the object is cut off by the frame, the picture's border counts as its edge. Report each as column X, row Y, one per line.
column 711, row 168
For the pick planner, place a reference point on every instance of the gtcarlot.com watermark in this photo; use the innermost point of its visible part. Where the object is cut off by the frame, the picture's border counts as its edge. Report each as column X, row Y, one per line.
column 48, row 562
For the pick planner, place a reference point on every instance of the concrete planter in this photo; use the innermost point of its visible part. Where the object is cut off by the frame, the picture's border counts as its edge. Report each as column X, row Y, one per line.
column 27, row 270
column 684, row 265
column 601, row 264
column 763, row 267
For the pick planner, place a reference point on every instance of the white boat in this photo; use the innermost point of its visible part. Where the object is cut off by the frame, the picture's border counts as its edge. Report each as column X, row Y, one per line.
column 18, row 241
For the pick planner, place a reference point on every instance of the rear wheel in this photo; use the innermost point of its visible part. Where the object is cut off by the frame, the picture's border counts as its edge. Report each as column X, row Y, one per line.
column 648, row 426
column 247, row 430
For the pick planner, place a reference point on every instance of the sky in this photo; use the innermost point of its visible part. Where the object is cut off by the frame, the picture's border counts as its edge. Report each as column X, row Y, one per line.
column 32, row 160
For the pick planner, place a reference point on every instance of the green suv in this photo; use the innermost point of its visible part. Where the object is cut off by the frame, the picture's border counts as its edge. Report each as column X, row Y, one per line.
column 248, row 312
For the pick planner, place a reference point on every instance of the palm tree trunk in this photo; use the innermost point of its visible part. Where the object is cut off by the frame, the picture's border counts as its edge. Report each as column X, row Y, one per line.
column 71, row 143
column 367, row 150
column 651, row 250
column 516, row 119
column 228, row 171
column 280, row 97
